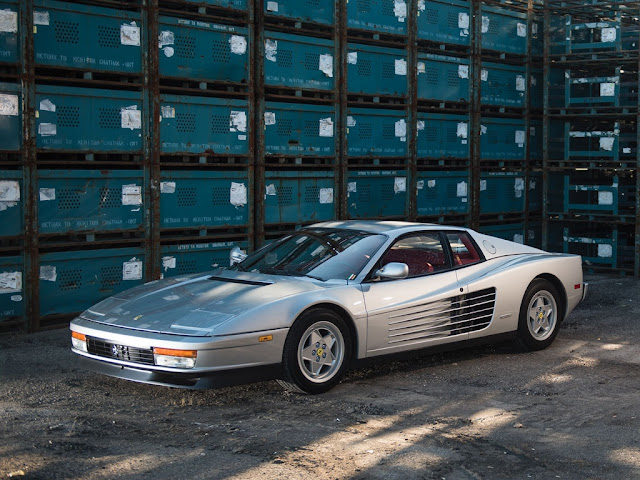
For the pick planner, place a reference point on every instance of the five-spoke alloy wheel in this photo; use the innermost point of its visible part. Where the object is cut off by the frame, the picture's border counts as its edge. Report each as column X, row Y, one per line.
column 539, row 315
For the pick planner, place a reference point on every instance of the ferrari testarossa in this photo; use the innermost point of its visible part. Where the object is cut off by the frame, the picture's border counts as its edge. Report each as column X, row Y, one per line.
column 303, row 308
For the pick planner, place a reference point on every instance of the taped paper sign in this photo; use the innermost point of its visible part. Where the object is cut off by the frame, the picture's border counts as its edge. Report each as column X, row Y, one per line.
column 521, row 30
column 238, row 194
column 608, row 35
column 462, row 130
column 400, row 10
column 421, row 5
column 131, row 195
column 483, row 130
column 461, row 189
column 270, row 50
column 130, row 34
column 521, row 85
column 326, row 65
column 9, row 191
column 48, row 273
column 518, row 187
column 167, row 187
column 47, row 129
column 400, row 184
column 463, row 71
column 168, row 111
column 352, row 187
column 400, row 67
column 483, row 185
column 9, row 105
column 431, row 183
column 606, row 143
column 352, row 58
column 422, row 68
column 47, row 194
column 269, row 118
column 463, row 20
column 421, row 125
column 237, row 121
column 47, row 105
column 271, row 190
column 420, row 185
column 326, row 127
column 532, row 184
column 626, row 150
column 272, row 6
column 605, row 198
column 605, row 251
column 484, row 75
column 10, row 282
column 518, row 238
column 40, row 18
column 238, row 44
column 485, row 24
column 400, row 128
column 607, row 89
column 8, row 21
column 132, row 270
column 131, row 118
column 165, row 38
column 351, row 122
column 168, row 262
column 520, row 137
column 326, row 195
column 534, row 30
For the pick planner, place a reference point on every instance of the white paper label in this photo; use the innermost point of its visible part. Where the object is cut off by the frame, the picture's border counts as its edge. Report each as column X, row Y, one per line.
column 431, row 183
column 237, row 121
column 463, row 20
column 352, row 58
column 421, row 5
column 484, row 75
column 47, row 129
column 400, row 10
column 10, row 282
column 400, row 184
column 521, row 30
column 9, row 105
column 422, row 68
column 461, row 189
column 607, row 89
column 462, row 130
column 238, row 44
column 130, row 34
column 168, row 262
column 606, row 143
column 9, row 191
column 326, row 127
column 400, row 128
column 420, row 185
column 168, row 111
column 483, row 130
column 518, row 238
column 48, row 273
column 326, row 65
column 270, row 50
column 326, row 195
column 8, row 21
column 532, row 184
column 351, row 122
column 463, row 71
column 483, row 185
column 131, row 195
column 238, row 194
column 47, row 194
column 605, row 251
column 47, row 105
column 521, row 85
column 269, row 118
column 421, row 125
column 352, row 187
column 131, row 118
column 608, row 35
column 520, row 137
column 272, row 6
column 167, row 187
column 165, row 38
column 626, row 150
column 485, row 24
column 518, row 187
column 168, row 52
column 132, row 270
column 40, row 18
column 271, row 190
column 605, row 198
column 401, row 67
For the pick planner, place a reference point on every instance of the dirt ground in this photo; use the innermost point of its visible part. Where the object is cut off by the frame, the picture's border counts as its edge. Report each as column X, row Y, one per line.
column 571, row 412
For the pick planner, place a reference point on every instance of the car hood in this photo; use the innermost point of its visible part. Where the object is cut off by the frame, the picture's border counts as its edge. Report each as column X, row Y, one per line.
column 195, row 305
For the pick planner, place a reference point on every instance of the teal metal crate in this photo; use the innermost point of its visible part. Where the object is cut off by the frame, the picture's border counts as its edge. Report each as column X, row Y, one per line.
column 10, row 117
column 12, row 279
column 233, row 4
column 536, row 37
column 535, row 143
column 502, row 139
column 203, row 51
column 12, row 199
column 90, row 120
column 605, row 195
column 376, row 70
column 570, row 35
column 442, row 193
column 87, row 37
column 204, row 199
column 380, row 16
column 513, row 232
column 376, row 133
column 9, row 40
column 299, row 197
column 376, row 193
column 73, row 281
column 503, row 85
column 536, row 88
column 504, row 30
column 442, row 136
column 204, row 125
column 504, row 192
column 598, row 250
column 299, row 129
column 298, row 62
column 586, row 142
column 443, row 78
column 535, row 191
column 444, row 21
column 89, row 201
column 306, row 11
column 610, row 87
column 186, row 259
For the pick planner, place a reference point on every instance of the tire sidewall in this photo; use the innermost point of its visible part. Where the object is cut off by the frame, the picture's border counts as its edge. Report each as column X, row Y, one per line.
column 524, row 335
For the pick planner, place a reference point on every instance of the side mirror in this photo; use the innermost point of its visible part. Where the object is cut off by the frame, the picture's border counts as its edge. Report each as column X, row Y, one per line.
column 395, row 270
column 236, row 256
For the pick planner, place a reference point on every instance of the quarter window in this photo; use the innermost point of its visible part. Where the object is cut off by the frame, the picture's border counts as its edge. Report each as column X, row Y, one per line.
column 463, row 250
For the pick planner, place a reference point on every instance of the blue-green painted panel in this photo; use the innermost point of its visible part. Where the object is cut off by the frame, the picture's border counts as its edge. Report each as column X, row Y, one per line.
column 204, row 199
column 10, row 117
column 376, row 133
column 442, row 136
column 306, row 11
column 87, row 37
column 185, row 259
column 503, row 192
column 535, row 142
column 203, row 51
column 445, row 21
column 11, row 201
column 204, row 125
column 72, row 281
column 297, row 197
column 513, row 232
column 299, row 62
column 299, row 129
column 504, row 30
column 443, row 78
column 503, row 85
column 376, row 70
column 536, row 88
column 442, row 193
column 9, row 40
column 384, row 16
column 502, row 139
column 91, row 120
column 89, row 200
column 376, row 193
column 11, row 289
column 234, row 4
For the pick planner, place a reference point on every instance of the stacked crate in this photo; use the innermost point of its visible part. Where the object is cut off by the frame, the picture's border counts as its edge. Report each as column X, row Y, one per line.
column 591, row 120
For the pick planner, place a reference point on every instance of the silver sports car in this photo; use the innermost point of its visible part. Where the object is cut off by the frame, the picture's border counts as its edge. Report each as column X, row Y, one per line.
column 303, row 308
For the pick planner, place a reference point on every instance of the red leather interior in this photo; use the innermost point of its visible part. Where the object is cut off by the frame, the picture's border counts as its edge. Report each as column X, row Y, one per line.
column 419, row 261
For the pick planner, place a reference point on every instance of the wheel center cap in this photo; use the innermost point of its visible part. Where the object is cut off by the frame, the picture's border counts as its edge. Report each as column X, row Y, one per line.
column 320, row 351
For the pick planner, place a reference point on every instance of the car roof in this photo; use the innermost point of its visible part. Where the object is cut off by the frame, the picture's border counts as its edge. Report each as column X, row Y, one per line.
column 384, row 226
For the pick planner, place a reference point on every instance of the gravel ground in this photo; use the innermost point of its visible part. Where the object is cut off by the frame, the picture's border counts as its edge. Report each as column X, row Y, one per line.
column 570, row 412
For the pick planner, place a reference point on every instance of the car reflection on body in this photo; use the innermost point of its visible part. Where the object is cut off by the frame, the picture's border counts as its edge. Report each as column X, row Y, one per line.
column 304, row 308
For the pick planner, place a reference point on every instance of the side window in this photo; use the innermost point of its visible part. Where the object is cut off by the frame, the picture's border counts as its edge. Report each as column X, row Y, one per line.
column 463, row 249
column 423, row 253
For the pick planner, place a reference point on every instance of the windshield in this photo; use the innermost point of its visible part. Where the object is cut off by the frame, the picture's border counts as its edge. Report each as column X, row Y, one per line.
column 319, row 253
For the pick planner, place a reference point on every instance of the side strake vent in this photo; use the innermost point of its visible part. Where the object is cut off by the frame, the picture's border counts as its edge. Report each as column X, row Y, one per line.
column 460, row 314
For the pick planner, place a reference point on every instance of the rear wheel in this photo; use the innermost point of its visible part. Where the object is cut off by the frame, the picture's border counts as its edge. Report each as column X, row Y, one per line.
column 316, row 353
column 540, row 316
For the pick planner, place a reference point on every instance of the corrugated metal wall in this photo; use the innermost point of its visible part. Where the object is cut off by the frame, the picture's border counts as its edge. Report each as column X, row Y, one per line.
column 140, row 139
